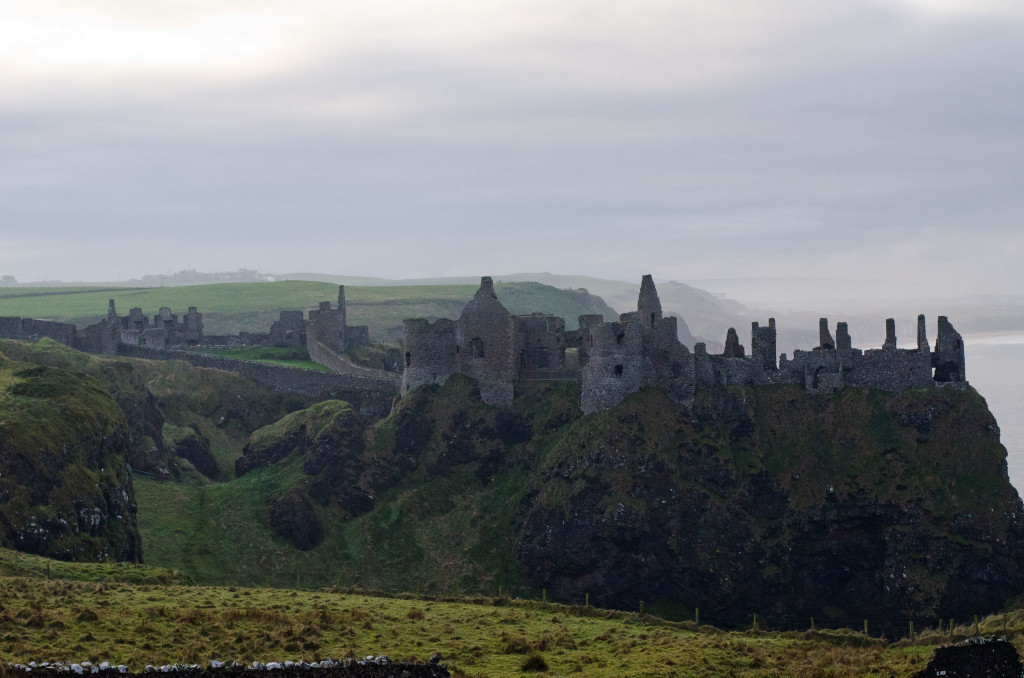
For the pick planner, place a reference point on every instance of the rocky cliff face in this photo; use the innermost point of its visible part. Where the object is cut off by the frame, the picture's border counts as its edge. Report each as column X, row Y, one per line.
column 767, row 501
column 861, row 505
column 64, row 488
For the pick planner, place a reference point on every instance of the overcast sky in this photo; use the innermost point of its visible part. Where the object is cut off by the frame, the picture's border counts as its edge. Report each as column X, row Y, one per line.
column 864, row 138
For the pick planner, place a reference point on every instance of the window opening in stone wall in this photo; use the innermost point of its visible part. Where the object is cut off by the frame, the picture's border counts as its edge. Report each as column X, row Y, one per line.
column 618, row 370
column 619, row 338
column 477, row 345
column 408, row 359
column 542, row 359
column 653, row 320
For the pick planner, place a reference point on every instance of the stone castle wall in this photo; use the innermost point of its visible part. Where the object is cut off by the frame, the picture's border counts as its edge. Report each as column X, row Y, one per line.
column 28, row 329
column 642, row 350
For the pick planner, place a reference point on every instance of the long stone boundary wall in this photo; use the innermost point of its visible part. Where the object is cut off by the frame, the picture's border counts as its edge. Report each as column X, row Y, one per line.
column 322, row 355
column 371, row 397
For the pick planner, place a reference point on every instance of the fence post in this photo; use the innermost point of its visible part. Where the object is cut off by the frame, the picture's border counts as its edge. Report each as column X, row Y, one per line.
column 544, row 595
column 586, row 600
column 977, row 629
column 641, row 608
column 865, row 627
column 812, row 623
column 696, row 616
column 911, row 630
column 754, row 627
column 951, row 626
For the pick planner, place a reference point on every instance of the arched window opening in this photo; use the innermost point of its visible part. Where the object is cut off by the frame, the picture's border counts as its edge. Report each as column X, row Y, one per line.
column 477, row 346
column 618, row 370
column 408, row 359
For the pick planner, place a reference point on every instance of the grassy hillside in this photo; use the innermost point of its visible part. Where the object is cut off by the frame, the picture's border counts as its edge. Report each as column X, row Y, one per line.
column 139, row 623
column 234, row 307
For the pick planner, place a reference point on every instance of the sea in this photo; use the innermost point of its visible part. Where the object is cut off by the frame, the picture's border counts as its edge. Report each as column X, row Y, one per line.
column 995, row 368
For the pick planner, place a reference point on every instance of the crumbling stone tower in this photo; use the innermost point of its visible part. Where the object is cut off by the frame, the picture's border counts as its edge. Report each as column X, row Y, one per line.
column 642, row 349
column 763, row 346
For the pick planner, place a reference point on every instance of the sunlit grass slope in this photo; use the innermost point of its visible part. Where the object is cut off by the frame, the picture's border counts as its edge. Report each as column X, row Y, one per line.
column 234, row 307
column 137, row 624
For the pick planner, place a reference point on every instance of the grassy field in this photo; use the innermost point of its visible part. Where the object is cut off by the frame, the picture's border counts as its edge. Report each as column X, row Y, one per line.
column 233, row 307
column 270, row 355
column 64, row 618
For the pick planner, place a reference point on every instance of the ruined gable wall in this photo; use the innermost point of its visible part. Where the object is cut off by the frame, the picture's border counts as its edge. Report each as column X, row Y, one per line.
column 948, row 358
column 483, row 339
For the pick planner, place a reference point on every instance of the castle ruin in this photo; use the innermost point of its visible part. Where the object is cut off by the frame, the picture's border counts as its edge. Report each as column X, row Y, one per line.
column 642, row 349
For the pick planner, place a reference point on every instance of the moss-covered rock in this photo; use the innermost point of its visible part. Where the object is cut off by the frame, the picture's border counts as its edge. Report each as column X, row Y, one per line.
column 64, row 489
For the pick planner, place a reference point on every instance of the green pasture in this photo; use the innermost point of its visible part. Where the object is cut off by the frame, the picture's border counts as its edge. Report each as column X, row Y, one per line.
column 234, row 307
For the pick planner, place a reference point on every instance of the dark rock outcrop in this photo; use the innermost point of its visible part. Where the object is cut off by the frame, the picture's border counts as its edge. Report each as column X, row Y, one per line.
column 196, row 449
column 294, row 518
column 989, row 657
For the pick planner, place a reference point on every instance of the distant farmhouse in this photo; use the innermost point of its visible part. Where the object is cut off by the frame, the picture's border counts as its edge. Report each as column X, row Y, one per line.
column 610, row 360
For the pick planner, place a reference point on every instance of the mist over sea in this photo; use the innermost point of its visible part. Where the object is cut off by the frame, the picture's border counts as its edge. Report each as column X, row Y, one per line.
column 995, row 368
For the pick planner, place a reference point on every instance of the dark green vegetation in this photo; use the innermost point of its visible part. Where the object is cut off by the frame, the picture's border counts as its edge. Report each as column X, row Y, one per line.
column 229, row 308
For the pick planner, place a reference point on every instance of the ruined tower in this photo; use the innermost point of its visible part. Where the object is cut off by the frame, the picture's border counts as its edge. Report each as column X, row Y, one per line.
column 483, row 345
column 429, row 352
column 948, row 359
column 763, row 345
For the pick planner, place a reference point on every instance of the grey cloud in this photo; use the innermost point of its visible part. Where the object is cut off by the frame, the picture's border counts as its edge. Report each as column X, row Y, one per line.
column 814, row 137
